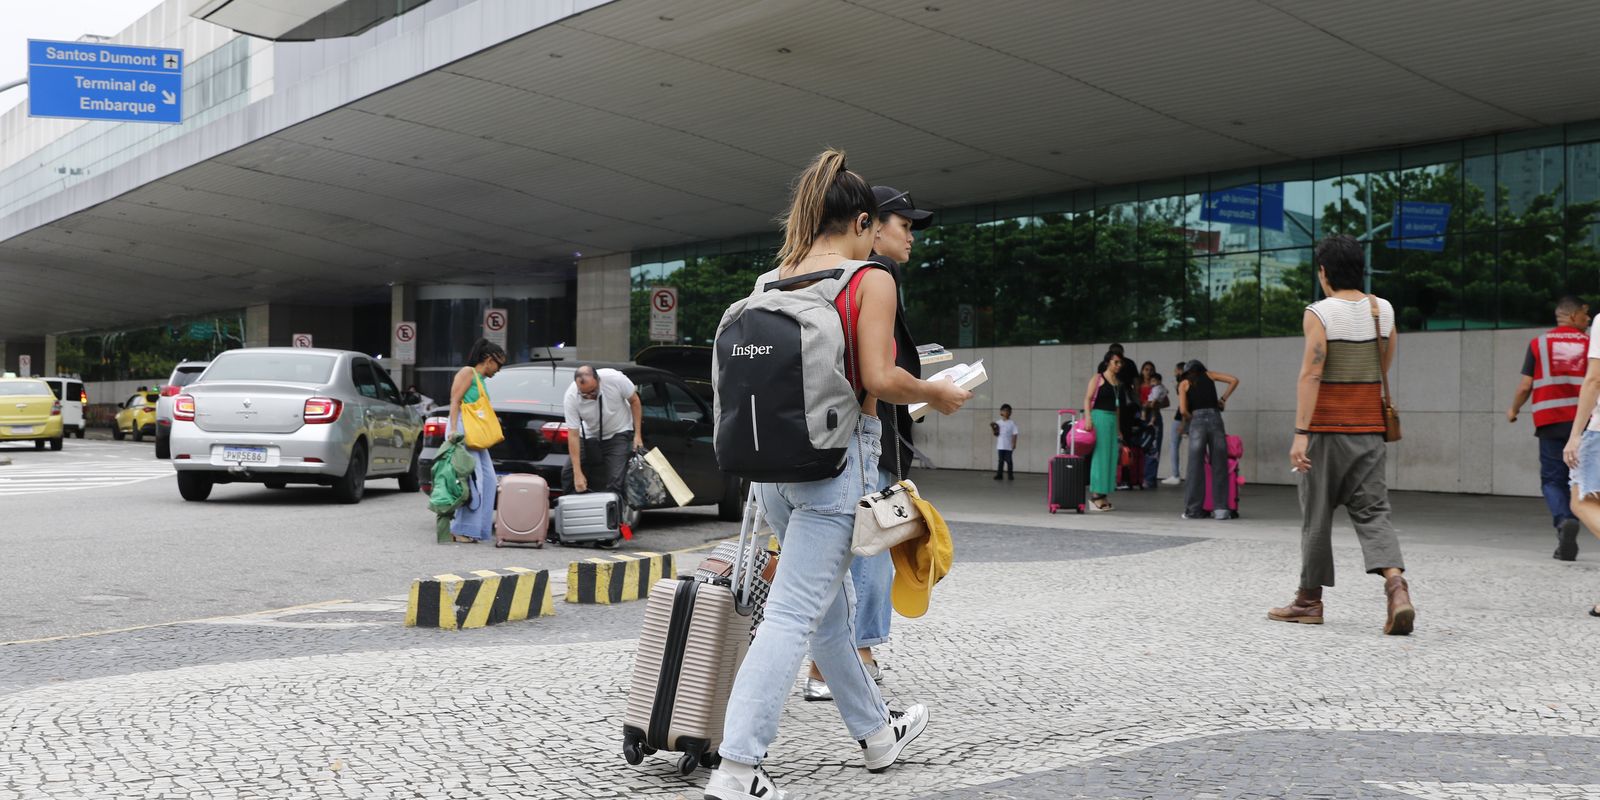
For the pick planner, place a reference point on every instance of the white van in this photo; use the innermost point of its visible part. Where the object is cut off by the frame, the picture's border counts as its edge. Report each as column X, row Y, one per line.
column 73, row 397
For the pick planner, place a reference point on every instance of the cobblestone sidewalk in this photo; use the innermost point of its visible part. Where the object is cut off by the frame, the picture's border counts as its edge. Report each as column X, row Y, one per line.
column 1152, row 674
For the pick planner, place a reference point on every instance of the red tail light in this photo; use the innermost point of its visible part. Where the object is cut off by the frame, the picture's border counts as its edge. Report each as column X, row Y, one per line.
column 83, row 397
column 55, row 409
column 433, row 428
column 170, row 391
column 322, row 410
column 555, row 432
column 183, row 409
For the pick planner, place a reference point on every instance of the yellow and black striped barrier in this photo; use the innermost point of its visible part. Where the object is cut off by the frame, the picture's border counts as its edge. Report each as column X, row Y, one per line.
column 478, row 598
column 617, row 579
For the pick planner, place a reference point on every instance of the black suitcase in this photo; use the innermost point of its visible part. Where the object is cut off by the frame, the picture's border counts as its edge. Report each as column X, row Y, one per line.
column 1069, row 479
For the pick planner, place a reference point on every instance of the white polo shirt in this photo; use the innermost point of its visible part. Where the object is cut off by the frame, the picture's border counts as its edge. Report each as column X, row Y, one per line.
column 583, row 416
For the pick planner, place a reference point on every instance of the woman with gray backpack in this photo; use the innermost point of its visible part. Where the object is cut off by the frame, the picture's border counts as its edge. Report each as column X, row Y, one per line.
column 800, row 366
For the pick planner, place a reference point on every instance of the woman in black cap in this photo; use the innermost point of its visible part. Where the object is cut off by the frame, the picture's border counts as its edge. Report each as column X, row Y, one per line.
column 872, row 577
column 1208, row 439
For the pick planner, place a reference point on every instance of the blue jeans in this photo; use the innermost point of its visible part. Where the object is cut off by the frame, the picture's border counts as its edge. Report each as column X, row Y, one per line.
column 1152, row 461
column 1554, row 480
column 1208, row 443
column 1178, row 427
column 475, row 518
column 872, row 578
column 811, row 602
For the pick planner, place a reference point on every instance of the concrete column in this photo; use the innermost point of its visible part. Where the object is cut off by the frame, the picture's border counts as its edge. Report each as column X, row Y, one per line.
column 5, row 365
column 49, row 355
column 604, row 298
column 402, row 308
column 258, row 325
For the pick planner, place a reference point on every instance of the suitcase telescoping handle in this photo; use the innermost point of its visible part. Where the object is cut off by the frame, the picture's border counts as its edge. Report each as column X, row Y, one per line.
column 1066, row 432
column 742, row 579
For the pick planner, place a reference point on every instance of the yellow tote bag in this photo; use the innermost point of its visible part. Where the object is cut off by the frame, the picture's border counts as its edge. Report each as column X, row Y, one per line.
column 479, row 426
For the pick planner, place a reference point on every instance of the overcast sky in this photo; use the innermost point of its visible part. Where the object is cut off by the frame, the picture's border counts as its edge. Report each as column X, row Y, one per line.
column 66, row 20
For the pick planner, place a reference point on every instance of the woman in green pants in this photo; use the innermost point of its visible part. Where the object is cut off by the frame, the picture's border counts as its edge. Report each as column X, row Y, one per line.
column 1104, row 399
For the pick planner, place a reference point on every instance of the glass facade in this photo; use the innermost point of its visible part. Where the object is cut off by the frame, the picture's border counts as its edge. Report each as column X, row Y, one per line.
column 1477, row 233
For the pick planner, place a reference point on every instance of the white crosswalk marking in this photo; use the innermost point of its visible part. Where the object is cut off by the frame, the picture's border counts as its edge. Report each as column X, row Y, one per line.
column 38, row 477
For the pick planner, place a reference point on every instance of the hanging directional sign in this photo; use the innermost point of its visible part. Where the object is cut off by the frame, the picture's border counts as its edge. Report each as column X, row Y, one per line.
column 123, row 83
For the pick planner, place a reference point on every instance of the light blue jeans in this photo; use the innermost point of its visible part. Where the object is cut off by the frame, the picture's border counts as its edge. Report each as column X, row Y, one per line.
column 811, row 602
column 872, row 577
column 475, row 518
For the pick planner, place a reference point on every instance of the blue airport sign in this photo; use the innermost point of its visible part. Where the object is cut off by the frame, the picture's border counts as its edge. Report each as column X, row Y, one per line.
column 1419, row 226
column 118, row 82
column 1256, row 204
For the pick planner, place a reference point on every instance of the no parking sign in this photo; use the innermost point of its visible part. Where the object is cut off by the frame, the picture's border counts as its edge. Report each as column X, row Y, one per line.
column 663, row 314
column 495, row 322
column 405, row 343
column 300, row 340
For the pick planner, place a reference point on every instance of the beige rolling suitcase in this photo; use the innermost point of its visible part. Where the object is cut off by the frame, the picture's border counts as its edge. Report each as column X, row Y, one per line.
column 694, row 639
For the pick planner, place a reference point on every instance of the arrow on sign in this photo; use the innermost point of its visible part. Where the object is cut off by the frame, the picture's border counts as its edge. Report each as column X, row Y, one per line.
column 168, row 97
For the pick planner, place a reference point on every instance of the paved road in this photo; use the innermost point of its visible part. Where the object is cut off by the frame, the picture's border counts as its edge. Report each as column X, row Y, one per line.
column 135, row 553
column 85, row 464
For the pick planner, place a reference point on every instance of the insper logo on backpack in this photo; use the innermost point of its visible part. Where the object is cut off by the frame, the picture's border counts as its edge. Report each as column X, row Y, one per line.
column 787, row 416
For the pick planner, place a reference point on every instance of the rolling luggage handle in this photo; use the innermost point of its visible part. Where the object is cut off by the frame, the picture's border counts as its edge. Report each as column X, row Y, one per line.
column 742, row 579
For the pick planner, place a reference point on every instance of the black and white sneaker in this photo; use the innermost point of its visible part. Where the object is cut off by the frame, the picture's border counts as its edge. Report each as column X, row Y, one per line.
column 882, row 749
column 735, row 781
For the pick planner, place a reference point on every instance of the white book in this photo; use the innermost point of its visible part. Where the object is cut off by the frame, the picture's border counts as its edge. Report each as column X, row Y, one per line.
column 967, row 376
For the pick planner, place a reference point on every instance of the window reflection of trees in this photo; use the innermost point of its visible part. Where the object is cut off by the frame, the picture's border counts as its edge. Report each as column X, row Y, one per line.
column 1140, row 263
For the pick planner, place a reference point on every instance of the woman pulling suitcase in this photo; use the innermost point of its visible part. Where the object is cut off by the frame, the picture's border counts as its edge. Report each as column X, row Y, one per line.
column 474, row 520
column 830, row 220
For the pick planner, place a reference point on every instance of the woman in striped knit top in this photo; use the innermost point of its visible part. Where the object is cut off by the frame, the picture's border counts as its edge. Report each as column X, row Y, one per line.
column 1338, row 447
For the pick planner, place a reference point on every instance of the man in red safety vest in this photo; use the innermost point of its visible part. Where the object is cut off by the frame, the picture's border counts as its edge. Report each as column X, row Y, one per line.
column 1552, row 373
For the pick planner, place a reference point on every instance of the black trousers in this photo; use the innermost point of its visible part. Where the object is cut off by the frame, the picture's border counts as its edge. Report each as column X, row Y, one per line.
column 605, row 464
column 1006, row 465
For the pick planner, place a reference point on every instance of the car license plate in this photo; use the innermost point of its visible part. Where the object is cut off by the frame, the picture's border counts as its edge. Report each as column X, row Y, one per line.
column 18, row 430
column 245, row 455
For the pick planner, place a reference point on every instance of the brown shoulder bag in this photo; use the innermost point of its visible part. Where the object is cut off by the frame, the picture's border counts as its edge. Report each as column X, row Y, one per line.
column 1391, row 417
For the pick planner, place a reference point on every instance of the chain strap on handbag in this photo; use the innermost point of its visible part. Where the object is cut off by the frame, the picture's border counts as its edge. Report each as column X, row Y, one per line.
column 1391, row 417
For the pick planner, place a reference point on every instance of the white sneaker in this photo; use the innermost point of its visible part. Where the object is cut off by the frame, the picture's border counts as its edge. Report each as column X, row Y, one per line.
column 882, row 749
column 734, row 781
column 1172, row 481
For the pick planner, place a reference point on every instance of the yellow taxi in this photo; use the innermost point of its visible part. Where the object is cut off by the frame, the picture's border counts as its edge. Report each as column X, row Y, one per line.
column 29, row 411
column 136, row 417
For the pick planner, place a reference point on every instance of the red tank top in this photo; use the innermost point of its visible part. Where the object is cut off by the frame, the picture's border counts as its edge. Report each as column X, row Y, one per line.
column 851, row 297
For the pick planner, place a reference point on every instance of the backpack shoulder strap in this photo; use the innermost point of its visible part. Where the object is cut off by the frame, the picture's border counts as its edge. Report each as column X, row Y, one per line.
column 828, row 283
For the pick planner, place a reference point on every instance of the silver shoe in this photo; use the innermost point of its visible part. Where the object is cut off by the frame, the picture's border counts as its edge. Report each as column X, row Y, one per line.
column 875, row 671
column 816, row 690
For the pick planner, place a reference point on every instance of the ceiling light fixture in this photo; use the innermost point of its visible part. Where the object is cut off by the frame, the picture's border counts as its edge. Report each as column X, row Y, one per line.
column 785, row 50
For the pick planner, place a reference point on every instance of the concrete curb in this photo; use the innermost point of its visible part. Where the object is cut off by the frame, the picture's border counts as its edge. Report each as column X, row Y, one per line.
column 480, row 598
column 617, row 579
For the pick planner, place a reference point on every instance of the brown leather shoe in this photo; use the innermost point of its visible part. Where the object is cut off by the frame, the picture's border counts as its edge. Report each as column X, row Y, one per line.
column 1401, row 613
column 1306, row 607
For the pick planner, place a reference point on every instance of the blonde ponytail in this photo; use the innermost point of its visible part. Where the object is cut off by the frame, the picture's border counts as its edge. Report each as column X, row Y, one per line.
column 807, row 217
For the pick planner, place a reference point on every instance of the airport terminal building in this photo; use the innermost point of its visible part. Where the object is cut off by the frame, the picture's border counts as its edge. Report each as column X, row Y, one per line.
column 1154, row 174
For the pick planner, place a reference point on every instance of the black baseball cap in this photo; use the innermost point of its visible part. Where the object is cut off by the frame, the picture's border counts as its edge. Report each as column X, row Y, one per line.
column 893, row 201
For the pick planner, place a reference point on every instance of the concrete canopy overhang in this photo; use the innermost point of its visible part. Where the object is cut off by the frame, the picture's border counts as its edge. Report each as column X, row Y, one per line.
column 299, row 20
column 641, row 123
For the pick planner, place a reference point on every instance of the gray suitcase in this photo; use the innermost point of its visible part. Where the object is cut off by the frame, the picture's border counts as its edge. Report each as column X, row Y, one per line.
column 589, row 518
column 696, row 633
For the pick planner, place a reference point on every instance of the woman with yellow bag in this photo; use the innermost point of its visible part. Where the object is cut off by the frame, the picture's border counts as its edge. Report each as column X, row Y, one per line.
column 473, row 419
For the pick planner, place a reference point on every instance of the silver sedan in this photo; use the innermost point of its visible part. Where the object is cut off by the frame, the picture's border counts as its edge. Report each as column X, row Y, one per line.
column 279, row 415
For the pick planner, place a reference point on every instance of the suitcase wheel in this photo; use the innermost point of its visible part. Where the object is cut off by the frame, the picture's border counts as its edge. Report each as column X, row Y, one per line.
column 688, row 763
column 632, row 753
column 711, row 760
column 497, row 541
column 612, row 545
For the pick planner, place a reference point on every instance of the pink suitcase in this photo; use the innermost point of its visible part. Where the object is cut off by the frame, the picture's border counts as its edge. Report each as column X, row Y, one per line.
column 1235, row 480
column 522, row 514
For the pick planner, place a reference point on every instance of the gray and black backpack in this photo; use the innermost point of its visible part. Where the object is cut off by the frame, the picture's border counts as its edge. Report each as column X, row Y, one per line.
column 785, row 406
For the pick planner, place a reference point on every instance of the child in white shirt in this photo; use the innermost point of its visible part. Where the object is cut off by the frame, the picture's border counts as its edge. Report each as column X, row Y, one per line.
column 1005, row 442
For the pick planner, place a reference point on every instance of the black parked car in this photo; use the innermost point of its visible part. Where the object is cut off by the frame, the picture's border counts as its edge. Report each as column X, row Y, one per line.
column 528, row 400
